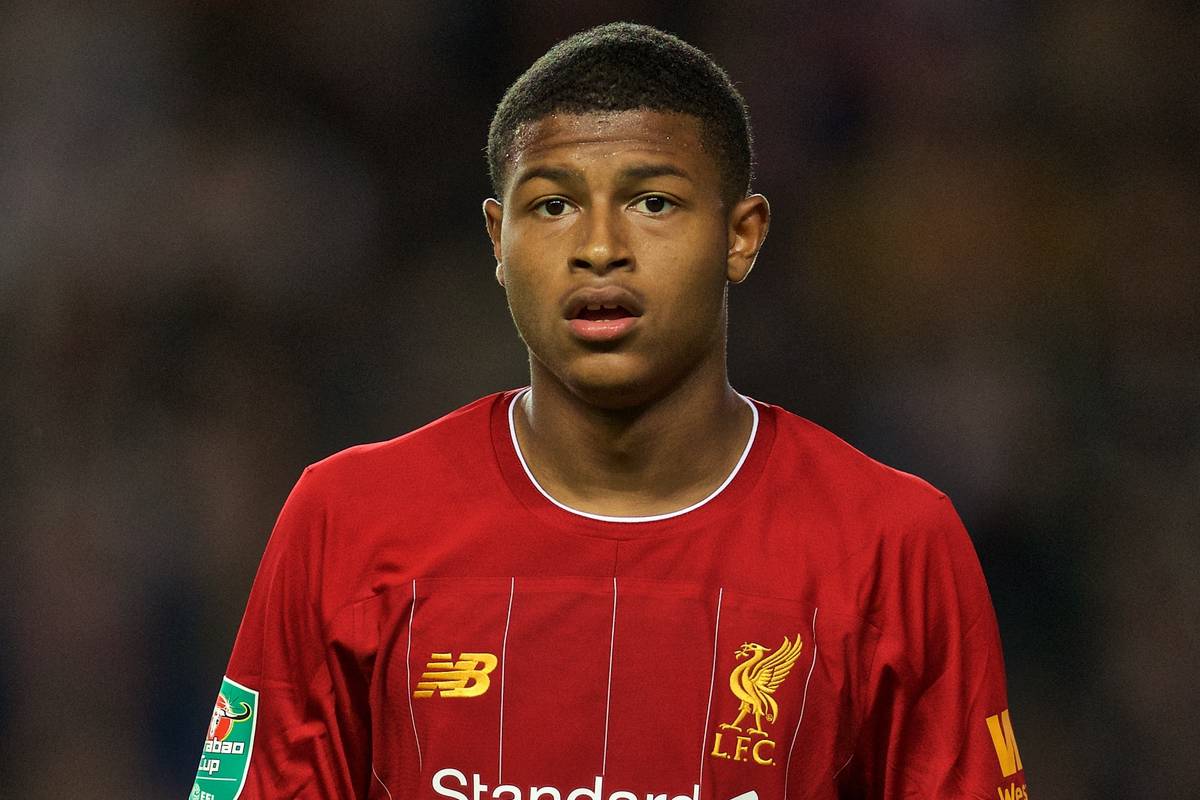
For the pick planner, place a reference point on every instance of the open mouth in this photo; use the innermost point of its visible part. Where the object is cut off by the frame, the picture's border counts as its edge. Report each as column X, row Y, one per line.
column 603, row 321
column 603, row 313
column 595, row 312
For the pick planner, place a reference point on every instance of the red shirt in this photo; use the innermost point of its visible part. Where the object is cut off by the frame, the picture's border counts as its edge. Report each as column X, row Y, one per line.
column 427, row 623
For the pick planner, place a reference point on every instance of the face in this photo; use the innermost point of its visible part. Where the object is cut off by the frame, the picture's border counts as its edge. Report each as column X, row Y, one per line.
column 615, row 250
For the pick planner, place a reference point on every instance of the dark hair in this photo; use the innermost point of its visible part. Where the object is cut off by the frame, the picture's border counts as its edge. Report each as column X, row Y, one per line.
column 620, row 67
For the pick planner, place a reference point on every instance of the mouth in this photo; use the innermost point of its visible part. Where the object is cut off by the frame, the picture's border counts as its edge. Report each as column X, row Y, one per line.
column 595, row 312
column 602, row 314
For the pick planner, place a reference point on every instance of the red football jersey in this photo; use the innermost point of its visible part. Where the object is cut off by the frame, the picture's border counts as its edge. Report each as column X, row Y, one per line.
column 428, row 623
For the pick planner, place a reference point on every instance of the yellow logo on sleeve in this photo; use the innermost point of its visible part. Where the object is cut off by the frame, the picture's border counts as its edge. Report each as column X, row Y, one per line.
column 1000, row 727
column 753, row 683
column 466, row 676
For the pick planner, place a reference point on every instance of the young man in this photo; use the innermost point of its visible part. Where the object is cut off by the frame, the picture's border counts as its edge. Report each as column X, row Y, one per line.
column 627, row 580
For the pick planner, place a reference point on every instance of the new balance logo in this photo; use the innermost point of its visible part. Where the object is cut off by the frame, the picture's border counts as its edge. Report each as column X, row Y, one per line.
column 465, row 677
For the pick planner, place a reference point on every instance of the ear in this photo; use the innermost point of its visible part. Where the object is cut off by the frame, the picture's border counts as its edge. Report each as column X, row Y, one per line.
column 748, row 222
column 493, row 217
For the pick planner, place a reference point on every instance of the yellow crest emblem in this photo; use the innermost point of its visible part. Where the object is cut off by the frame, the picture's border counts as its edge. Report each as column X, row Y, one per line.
column 753, row 682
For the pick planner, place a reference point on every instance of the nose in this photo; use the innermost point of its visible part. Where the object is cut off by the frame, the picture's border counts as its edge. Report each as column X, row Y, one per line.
column 603, row 245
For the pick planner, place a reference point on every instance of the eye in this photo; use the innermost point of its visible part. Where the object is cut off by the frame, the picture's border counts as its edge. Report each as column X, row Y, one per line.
column 654, row 205
column 552, row 207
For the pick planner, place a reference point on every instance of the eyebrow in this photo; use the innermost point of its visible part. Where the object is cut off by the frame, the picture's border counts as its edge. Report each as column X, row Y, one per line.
column 557, row 174
column 643, row 171
column 634, row 173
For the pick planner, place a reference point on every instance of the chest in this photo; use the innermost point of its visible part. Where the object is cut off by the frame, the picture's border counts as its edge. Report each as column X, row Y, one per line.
column 611, row 687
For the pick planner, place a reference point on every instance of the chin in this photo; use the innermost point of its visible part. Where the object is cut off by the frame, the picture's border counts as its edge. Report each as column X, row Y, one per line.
column 610, row 398
column 612, row 386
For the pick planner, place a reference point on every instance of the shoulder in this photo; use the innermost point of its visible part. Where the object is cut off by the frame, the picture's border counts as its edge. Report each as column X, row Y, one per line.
column 826, row 464
column 868, row 506
column 451, row 448
column 897, row 537
column 348, row 508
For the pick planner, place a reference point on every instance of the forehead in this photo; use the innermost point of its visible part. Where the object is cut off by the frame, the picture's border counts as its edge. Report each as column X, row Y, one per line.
column 594, row 140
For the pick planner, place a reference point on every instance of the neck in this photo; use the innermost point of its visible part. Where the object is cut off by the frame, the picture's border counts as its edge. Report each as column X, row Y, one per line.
column 652, row 458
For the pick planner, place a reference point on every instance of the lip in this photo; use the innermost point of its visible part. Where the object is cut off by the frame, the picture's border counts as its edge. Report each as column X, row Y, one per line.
column 601, row 330
column 610, row 295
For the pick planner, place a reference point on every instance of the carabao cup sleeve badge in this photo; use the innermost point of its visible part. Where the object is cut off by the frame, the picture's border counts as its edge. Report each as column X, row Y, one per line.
column 228, row 744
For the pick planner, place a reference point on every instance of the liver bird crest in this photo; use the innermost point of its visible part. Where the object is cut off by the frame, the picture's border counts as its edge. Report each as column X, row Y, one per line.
column 754, row 681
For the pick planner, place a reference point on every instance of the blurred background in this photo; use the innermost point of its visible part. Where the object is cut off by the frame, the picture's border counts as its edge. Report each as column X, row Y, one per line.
column 237, row 237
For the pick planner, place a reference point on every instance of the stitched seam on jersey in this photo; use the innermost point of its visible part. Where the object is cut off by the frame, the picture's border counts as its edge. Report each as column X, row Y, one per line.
column 712, row 682
column 612, row 640
column 803, row 705
column 512, row 588
column 961, row 783
column 961, row 779
column 324, row 625
column 737, row 468
column 408, row 672
column 866, row 697
column 922, row 783
column 979, row 617
column 381, row 783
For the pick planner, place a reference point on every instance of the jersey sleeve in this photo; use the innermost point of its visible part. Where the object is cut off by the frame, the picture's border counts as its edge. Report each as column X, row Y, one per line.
column 290, row 720
column 937, row 723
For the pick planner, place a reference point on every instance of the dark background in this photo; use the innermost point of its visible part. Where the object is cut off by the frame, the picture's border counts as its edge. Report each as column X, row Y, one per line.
column 236, row 237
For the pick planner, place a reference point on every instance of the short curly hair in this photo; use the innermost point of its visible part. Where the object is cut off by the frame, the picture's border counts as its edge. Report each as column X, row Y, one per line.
column 622, row 66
